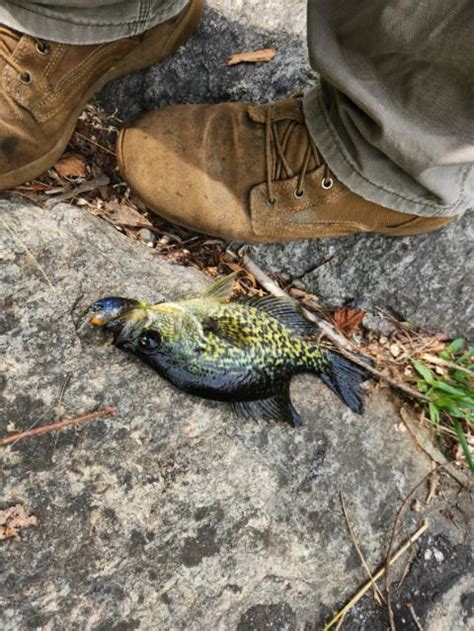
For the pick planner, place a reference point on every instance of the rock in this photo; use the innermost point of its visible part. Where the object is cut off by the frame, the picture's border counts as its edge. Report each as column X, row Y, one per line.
column 198, row 71
column 175, row 510
column 378, row 323
column 147, row 236
column 426, row 280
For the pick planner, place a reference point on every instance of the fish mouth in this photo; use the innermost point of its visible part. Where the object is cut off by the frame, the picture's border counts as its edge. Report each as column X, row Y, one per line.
column 109, row 312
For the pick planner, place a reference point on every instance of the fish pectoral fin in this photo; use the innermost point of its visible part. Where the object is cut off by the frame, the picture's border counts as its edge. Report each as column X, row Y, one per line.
column 287, row 311
column 275, row 408
column 222, row 288
column 226, row 329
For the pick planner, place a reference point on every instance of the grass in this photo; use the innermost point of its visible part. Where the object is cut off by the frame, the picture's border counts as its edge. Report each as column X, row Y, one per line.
column 449, row 389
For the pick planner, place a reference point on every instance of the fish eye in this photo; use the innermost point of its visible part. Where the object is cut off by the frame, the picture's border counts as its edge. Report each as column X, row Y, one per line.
column 149, row 341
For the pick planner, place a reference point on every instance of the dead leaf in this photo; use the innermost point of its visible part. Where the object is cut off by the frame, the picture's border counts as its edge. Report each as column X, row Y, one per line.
column 348, row 320
column 256, row 56
column 71, row 166
column 33, row 186
column 13, row 519
column 122, row 214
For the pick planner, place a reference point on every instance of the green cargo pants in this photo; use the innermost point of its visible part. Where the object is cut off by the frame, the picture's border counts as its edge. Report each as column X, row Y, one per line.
column 394, row 118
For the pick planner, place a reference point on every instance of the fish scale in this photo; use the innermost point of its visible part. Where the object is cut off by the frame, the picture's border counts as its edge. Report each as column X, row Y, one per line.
column 244, row 351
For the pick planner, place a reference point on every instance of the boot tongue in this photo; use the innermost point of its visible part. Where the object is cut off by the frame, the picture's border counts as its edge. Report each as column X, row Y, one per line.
column 290, row 109
column 296, row 146
column 288, row 119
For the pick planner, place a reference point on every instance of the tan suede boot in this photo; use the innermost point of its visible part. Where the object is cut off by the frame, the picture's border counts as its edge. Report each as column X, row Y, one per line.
column 247, row 172
column 46, row 85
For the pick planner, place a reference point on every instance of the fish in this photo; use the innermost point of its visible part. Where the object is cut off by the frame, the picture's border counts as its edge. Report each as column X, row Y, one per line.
column 244, row 350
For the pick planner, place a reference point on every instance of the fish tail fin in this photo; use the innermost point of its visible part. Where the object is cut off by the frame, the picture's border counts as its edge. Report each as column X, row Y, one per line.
column 343, row 377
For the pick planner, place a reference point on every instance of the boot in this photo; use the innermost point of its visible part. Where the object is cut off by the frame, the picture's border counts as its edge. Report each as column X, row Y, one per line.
column 247, row 172
column 46, row 85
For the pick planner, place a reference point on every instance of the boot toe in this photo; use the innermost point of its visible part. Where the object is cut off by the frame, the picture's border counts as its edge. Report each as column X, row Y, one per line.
column 174, row 161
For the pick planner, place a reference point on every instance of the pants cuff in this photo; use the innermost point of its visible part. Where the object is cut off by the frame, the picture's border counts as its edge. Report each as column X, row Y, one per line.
column 88, row 26
column 406, row 196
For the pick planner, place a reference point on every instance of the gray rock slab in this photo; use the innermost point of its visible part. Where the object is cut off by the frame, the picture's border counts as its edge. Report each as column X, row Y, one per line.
column 176, row 514
column 427, row 280
column 198, row 71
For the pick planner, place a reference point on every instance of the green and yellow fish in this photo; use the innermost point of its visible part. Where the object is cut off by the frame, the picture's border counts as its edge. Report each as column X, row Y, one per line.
column 241, row 350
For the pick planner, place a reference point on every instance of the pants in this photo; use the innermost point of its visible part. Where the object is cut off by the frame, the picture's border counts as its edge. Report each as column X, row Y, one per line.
column 394, row 116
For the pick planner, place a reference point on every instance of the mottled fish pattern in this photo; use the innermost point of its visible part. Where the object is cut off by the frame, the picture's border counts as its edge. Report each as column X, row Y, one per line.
column 241, row 350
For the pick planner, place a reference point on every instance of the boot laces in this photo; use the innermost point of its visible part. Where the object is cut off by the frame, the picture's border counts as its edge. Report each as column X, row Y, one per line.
column 42, row 48
column 277, row 138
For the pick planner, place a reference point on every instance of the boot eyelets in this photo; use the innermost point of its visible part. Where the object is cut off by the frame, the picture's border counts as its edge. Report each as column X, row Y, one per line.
column 327, row 183
column 298, row 194
column 42, row 48
column 26, row 78
column 271, row 201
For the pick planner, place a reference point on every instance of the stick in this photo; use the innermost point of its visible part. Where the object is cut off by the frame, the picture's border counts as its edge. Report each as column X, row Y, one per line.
column 377, row 593
column 343, row 345
column 431, row 451
column 392, row 539
column 85, row 187
column 110, row 410
column 365, row 588
column 407, row 569
column 95, row 143
column 416, row 620
column 270, row 285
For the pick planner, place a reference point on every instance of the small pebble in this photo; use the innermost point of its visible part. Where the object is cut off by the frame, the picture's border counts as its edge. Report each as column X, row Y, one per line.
column 439, row 556
column 395, row 350
column 147, row 236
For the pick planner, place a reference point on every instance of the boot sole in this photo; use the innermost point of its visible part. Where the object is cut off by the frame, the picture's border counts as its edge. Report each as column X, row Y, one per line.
column 148, row 53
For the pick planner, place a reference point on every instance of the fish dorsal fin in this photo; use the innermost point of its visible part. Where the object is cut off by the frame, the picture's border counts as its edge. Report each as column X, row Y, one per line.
column 286, row 310
column 222, row 288
column 278, row 407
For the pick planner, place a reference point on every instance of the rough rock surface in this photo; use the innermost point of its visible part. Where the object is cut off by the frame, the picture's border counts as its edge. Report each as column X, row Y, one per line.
column 427, row 280
column 198, row 71
column 174, row 510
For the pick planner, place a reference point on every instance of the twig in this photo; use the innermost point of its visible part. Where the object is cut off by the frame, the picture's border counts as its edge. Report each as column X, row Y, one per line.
column 340, row 623
column 407, row 569
column 433, row 485
column 85, row 187
column 21, row 244
column 95, row 143
column 416, row 620
column 264, row 279
column 438, row 361
column 396, row 384
column 392, row 539
column 57, row 406
column 343, row 345
column 110, row 410
column 378, row 597
column 365, row 588
column 431, row 451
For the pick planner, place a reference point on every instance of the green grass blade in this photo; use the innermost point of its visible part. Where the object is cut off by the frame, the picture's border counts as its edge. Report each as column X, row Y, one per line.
column 464, row 445
column 424, row 372
column 456, row 345
column 454, row 391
